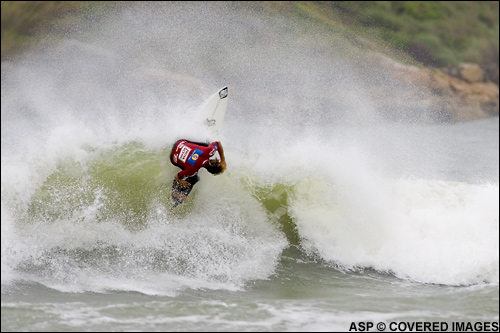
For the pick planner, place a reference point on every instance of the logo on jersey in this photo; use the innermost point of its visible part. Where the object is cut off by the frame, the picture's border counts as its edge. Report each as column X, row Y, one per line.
column 184, row 153
column 194, row 156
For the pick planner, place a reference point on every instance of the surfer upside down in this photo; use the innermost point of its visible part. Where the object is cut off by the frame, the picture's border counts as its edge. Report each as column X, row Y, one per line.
column 191, row 157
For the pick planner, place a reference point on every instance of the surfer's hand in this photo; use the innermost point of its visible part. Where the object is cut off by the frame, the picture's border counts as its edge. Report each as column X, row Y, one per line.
column 182, row 182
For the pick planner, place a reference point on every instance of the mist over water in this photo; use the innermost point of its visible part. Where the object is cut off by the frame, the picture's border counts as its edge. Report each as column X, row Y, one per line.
column 87, row 124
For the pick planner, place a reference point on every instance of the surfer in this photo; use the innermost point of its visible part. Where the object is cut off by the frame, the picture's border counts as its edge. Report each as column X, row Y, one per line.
column 191, row 157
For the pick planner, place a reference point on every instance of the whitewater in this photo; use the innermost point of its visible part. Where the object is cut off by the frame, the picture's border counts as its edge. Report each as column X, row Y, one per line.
column 329, row 212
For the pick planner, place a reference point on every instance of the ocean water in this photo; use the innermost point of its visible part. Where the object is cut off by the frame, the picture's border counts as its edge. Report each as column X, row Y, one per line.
column 330, row 214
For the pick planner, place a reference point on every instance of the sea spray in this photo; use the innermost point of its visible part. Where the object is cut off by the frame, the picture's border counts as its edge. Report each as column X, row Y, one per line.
column 431, row 231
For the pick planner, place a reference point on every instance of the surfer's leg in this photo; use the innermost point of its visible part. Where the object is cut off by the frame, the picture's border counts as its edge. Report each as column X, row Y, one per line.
column 193, row 180
column 179, row 193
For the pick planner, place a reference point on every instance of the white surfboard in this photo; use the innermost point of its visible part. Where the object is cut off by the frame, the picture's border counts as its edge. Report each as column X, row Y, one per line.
column 214, row 110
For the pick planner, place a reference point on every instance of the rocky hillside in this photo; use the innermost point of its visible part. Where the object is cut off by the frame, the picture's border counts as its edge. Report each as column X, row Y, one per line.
column 463, row 86
column 459, row 94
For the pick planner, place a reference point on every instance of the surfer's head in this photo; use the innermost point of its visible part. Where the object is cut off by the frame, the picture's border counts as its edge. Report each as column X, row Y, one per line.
column 214, row 167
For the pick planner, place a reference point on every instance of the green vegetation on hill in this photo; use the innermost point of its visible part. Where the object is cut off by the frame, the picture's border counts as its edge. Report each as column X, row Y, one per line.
column 435, row 33
column 22, row 19
column 25, row 22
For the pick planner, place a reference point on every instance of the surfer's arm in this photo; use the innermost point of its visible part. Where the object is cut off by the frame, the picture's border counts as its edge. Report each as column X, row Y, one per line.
column 222, row 157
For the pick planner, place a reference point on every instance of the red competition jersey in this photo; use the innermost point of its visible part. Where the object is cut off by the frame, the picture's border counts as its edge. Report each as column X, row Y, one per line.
column 190, row 156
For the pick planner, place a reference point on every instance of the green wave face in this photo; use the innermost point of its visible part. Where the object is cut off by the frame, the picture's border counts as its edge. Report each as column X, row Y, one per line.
column 275, row 199
column 124, row 183
column 110, row 216
column 117, row 183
